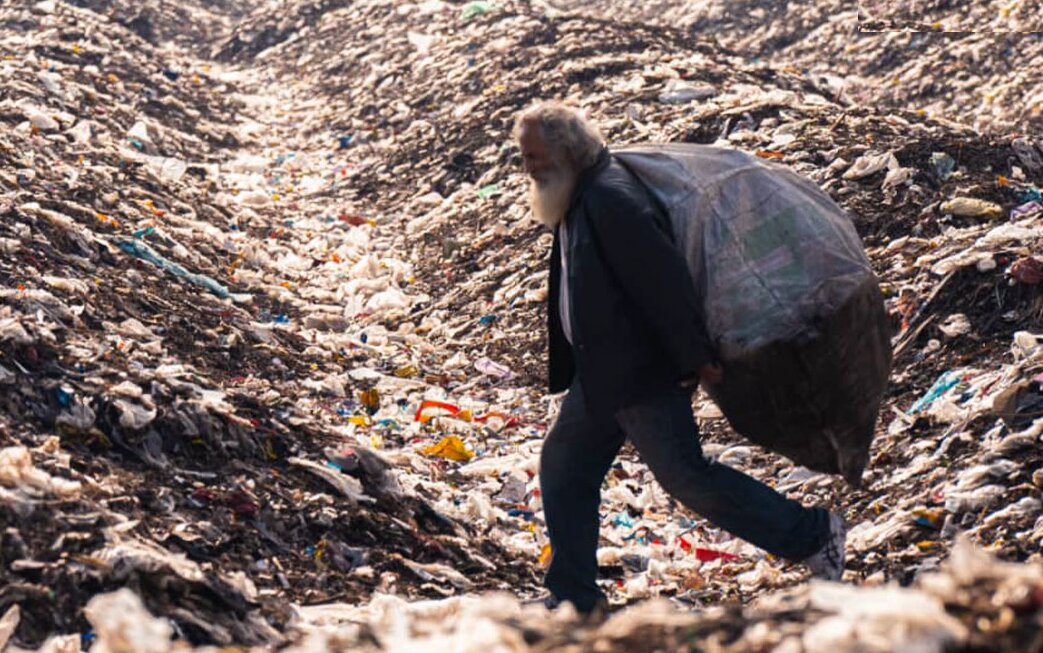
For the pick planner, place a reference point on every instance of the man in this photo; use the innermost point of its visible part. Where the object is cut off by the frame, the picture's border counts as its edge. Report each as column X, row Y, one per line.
column 627, row 341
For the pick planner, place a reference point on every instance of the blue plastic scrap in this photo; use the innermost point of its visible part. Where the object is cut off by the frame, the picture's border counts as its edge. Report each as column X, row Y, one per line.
column 622, row 519
column 945, row 382
column 1030, row 194
column 143, row 251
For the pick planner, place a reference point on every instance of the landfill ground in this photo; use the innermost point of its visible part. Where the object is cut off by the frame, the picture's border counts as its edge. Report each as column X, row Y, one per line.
column 951, row 15
column 272, row 310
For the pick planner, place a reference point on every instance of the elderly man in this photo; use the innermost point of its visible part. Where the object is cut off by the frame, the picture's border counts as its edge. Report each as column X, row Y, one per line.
column 627, row 341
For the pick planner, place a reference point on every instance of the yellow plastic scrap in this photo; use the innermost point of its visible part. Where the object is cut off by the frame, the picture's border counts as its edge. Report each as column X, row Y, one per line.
column 407, row 372
column 930, row 515
column 450, row 447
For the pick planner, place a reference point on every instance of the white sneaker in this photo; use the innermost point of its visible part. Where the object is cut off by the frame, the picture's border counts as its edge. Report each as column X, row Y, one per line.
column 828, row 563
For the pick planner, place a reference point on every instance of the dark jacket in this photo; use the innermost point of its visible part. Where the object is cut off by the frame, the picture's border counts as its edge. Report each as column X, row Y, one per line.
column 637, row 326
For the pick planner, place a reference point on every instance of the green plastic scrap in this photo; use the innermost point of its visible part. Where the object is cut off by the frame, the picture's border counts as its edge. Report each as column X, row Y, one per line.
column 473, row 9
column 141, row 250
column 485, row 192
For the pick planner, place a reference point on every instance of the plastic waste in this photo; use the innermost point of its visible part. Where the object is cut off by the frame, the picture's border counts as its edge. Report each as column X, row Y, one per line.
column 41, row 120
column 678, row 91
column 1018, row 512
column 143, row 251
column 1027, row 270
column 450, row 447
column 18, row 473
column 1026, row 210
column 474, row 9
column 944, row 383
column 491, row 368
column 124, row 625
column 1029, row 156
column 878, row 619
column 167, row 169
column 955, row 325
column 971, row 207
column 492, row 190
column 348, row 486
column 943, row 165
column 869, row 164
column 709, row 555
column 961, row 501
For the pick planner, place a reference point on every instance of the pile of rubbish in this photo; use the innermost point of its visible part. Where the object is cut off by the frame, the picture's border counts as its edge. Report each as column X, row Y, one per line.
column 272, row 350
column 994, row 611
column 965, row 16
column 968, row 62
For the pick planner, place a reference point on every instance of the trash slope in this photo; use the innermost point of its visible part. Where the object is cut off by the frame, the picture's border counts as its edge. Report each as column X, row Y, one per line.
column 271, row 335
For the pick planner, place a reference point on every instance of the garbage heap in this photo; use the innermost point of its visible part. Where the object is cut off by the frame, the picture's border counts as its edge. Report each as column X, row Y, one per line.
column 975, row 604
column 968, row 62
column 962, row 16
column 272, row 352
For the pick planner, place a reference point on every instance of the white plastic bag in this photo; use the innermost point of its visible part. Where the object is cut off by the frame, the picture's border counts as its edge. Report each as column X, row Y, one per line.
column 788, row 296
column 768, row 250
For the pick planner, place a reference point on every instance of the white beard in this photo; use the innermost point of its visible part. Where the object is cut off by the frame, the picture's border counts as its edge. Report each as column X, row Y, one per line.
column 550, row 198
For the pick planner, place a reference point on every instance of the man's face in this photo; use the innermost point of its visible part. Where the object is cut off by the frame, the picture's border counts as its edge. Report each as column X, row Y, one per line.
column 536, row 155
column 552, row 180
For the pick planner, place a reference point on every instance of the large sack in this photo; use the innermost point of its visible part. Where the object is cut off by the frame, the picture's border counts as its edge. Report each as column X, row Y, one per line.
column 789, row 297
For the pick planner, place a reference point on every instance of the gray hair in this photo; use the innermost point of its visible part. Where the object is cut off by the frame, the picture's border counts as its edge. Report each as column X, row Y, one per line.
column 566, row 130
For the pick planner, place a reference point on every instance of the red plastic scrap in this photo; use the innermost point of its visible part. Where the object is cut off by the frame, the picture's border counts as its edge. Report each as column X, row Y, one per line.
column 705, row 555
column 353, row 220
column 241, row 503
column 709, row 555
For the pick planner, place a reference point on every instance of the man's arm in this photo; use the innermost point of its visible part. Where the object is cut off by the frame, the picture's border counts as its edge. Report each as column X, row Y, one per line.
column 652, row 272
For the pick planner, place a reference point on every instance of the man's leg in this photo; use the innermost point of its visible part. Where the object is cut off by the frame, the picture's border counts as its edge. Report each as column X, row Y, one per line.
column 577, row 454
column 664, row 432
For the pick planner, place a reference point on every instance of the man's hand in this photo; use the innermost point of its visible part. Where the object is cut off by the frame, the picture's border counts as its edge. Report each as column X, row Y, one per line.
column 709, row 373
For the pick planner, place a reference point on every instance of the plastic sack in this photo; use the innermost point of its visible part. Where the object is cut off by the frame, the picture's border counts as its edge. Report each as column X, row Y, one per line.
column 789, row 298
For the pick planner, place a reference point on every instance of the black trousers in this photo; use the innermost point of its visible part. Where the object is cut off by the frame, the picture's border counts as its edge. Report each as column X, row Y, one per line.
column 580, row 448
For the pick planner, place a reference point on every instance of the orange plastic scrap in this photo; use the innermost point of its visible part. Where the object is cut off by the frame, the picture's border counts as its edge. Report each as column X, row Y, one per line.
column 424, row 416
column 508, row 421
column 545, row 555
column 450, row 447
column 770, row 154
column 370, row 398
column 431, row 403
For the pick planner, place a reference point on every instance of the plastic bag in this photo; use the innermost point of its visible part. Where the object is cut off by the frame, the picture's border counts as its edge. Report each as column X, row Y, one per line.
column 789, row 299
